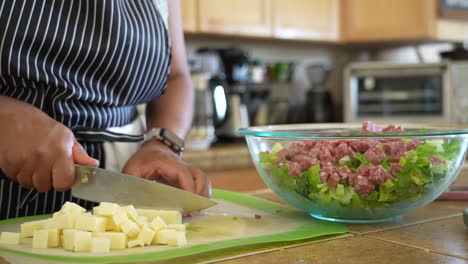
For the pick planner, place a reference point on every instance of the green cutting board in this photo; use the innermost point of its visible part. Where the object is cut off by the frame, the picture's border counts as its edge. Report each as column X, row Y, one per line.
column 237, row 220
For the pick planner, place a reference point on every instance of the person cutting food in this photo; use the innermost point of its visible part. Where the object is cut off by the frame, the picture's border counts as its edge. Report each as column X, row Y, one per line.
column 71, row 76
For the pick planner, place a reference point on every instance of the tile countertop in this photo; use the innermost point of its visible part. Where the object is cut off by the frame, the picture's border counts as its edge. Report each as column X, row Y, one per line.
column 434, row 233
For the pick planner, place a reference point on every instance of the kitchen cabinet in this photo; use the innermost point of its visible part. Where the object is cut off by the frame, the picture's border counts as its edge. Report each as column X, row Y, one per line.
column 190, row 15
column 383, row 20
column 239, row 17
column 305, row 19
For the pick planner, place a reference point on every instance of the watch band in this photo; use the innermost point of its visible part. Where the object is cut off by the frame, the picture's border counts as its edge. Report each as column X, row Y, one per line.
column 168, row 138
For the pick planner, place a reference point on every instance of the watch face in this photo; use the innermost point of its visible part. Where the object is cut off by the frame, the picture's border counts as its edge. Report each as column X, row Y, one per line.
column 173, row 138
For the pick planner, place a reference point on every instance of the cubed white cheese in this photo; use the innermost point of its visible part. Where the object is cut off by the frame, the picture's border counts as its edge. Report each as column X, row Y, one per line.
column 54, row 238
column 119, row 217
column 28, row 228
column 61, row 221
column 117, row 240
column 158, row 224
column 130, row 228
column 163, row 236
column 82, row 241
column 178, row 239
column 91, row 223
column 40, row 239
column 131, row 212
column 141, row 220
column 100, row 245
column 169, row 216
column 72, row 208
column 10, row 238
column 146, row 235
column 106, row 209
column 136, row 243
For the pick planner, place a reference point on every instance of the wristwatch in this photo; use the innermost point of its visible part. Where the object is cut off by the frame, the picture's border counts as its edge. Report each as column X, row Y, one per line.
column 168, row 138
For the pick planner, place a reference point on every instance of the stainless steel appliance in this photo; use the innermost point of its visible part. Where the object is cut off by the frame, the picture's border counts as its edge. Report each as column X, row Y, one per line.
column 388, row 92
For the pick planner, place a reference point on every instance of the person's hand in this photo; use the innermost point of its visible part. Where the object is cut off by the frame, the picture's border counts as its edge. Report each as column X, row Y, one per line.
column 155, row 161
column 37, row 151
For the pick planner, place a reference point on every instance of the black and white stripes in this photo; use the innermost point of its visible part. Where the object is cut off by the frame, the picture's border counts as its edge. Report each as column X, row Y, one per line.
column 86, row 63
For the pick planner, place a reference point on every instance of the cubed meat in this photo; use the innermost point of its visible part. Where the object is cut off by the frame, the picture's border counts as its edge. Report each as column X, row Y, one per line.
column 412, row 144
column 375, row 156
column 333, row 179
column 392, row 128
column 325, row 173
column 294, row 168
column 344, row 172
column 378, row 175
column 436, row 160
column 394, row 147
column 305, row 161
column 363, row 186
column 395, row 168
column 370, row 127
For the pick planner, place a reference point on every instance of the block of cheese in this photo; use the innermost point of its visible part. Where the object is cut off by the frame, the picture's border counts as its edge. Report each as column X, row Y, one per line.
column 117, row 240
column 136, row 243
column 131, row 212
column 146, row 235
column 177, row 227
column 158, row 224
column 82, row 241
column 111, row 226
column 106, row 209
column 91, row 223
column 10, row 238
column 163, row 236
column 177, row 239
column 53, row 239
column 100, row 245
column 141, row 220
column 40, row 239
column 119, row 217
column 130, row 228
column 169, row 216
column 76, row 240
column 61, row 221
column 72, row 208
column 28, row 228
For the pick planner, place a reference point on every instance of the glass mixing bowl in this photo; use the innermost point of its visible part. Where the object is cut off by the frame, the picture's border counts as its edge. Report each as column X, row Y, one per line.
column 337, row 173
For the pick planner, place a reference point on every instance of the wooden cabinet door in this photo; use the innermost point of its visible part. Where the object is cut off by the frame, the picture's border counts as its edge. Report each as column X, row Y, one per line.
column 237, row 17
column 383, row 20
column 306, row 19
column 190, row 15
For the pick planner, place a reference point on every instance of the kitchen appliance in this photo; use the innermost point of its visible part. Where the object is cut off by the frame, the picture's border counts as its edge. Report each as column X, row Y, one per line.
column 99, row 185
column 228, row 84
column 319, row 106
column 418, row 93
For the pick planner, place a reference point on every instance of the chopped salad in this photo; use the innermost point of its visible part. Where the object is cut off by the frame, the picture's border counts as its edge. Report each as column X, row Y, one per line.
column 361, row 172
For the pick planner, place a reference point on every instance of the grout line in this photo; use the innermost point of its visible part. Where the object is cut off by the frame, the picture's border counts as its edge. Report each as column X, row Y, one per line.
column 413, row 246
column 276, row 249
column 406, row 225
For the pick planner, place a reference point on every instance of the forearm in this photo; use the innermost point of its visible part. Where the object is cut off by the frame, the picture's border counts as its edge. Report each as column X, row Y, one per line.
column 174, row 110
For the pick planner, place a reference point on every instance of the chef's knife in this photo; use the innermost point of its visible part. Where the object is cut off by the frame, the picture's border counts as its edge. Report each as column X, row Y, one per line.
column 101, row 185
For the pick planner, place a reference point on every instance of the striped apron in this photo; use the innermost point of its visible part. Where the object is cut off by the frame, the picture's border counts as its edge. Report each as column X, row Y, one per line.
column 85, row 63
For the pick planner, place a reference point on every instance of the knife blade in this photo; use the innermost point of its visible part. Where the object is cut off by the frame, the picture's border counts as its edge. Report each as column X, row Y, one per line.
column 99, row 185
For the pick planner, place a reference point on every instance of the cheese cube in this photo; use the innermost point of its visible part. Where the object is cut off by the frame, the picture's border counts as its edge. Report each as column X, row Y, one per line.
column 169, row 216
column 146, row 235
column 40, row 238
column 76, row 240
column 91, row 223
column 10, row 238
column 100, row 245
column 178, row 239
column 28, row 228
column 131, row 212
column 163, row 236
column 111, row 226
column 61, row 221
column 72, row 208
column 141, row 220
column 106, row 209
column 117, row 240
column 130, row 228
column 82, row 241
column 177, row 227
column 157, row 224
column 53, row 239
column 119, row 217
column 135, row 243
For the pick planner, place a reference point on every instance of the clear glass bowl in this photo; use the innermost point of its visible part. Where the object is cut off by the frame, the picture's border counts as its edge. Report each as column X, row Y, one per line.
column 422, row 172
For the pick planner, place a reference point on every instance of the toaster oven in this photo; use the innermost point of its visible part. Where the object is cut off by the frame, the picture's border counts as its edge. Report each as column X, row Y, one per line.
column 417, row 93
